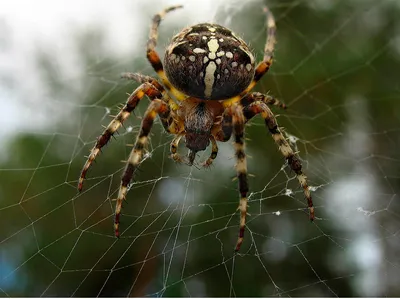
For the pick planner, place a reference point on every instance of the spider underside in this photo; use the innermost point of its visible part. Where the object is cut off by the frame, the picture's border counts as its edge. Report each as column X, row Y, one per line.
column 204, row 96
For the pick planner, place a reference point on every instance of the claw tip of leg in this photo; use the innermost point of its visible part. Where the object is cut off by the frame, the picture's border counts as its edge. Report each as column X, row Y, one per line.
column 239, row 244
column 174, row 7
column 312, row 217
column 312, row 214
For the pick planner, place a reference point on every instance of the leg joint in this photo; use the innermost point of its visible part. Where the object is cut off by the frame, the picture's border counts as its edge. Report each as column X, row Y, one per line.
column 294, row 164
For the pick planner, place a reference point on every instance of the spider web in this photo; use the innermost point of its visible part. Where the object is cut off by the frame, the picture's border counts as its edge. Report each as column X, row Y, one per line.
column 336, row 67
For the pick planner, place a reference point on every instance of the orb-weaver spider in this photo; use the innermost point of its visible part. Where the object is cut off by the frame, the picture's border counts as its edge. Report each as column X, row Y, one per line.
column 204, row 95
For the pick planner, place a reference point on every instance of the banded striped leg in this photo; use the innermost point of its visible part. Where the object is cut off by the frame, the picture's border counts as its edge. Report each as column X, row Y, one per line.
column 143, row 79
column 224, row 131
column 241, row 168
column 156, row 107
column 144, row 89
column 170, row 120
column 284, row 147
column 174, row 149
column 152, row 55
column 214, row 153
column 264, row 65
column 267, row 99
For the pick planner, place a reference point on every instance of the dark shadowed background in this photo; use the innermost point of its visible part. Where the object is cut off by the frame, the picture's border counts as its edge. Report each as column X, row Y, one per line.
column 337, row 67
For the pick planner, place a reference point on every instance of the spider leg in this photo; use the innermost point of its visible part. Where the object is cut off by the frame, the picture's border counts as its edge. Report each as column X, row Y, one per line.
column 140, row 78
column 147, row 79
column 241, row 168
column 156, row 107
column 267, row 99
column 223, row 131
column 174, row 149
column 152, row 55
column 144, row 89
column 266, row 63
column 258, row 107
column 214, row 153
column 171, row 122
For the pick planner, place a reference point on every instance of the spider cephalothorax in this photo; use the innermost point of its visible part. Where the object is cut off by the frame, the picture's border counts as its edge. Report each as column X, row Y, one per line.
column 204, row 96
column 208, row 61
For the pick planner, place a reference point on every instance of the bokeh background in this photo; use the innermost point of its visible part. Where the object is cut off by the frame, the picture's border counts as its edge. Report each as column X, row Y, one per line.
column 337, row 67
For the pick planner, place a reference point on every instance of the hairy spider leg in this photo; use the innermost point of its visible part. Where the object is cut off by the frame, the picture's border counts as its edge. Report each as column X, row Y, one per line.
column 174, row 149
column 214, row 153
column 238, row 121
column 143, row 79
column 140, row 78
column 156, row 107
column 144, row 89
column 171, row 122
column 265, row 64
column 258, row 96
column 223, row 132
column 153, row 56
column 259, row 107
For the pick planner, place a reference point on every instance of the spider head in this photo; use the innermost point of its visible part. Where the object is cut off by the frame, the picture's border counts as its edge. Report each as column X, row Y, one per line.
column 210, row 62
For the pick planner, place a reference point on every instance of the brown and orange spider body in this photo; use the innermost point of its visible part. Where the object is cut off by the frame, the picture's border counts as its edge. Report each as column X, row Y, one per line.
column 204, row 96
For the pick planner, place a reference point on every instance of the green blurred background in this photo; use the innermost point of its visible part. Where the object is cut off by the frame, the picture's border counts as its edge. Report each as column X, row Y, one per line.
column 337, row 67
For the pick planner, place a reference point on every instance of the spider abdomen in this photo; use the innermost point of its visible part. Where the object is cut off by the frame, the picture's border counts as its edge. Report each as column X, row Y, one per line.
column 208, row 61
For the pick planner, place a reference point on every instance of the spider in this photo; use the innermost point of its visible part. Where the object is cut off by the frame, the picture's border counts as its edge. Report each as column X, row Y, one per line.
column 204, row 96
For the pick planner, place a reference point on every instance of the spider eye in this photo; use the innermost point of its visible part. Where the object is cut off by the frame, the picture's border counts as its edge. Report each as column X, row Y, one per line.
column 208, row 61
